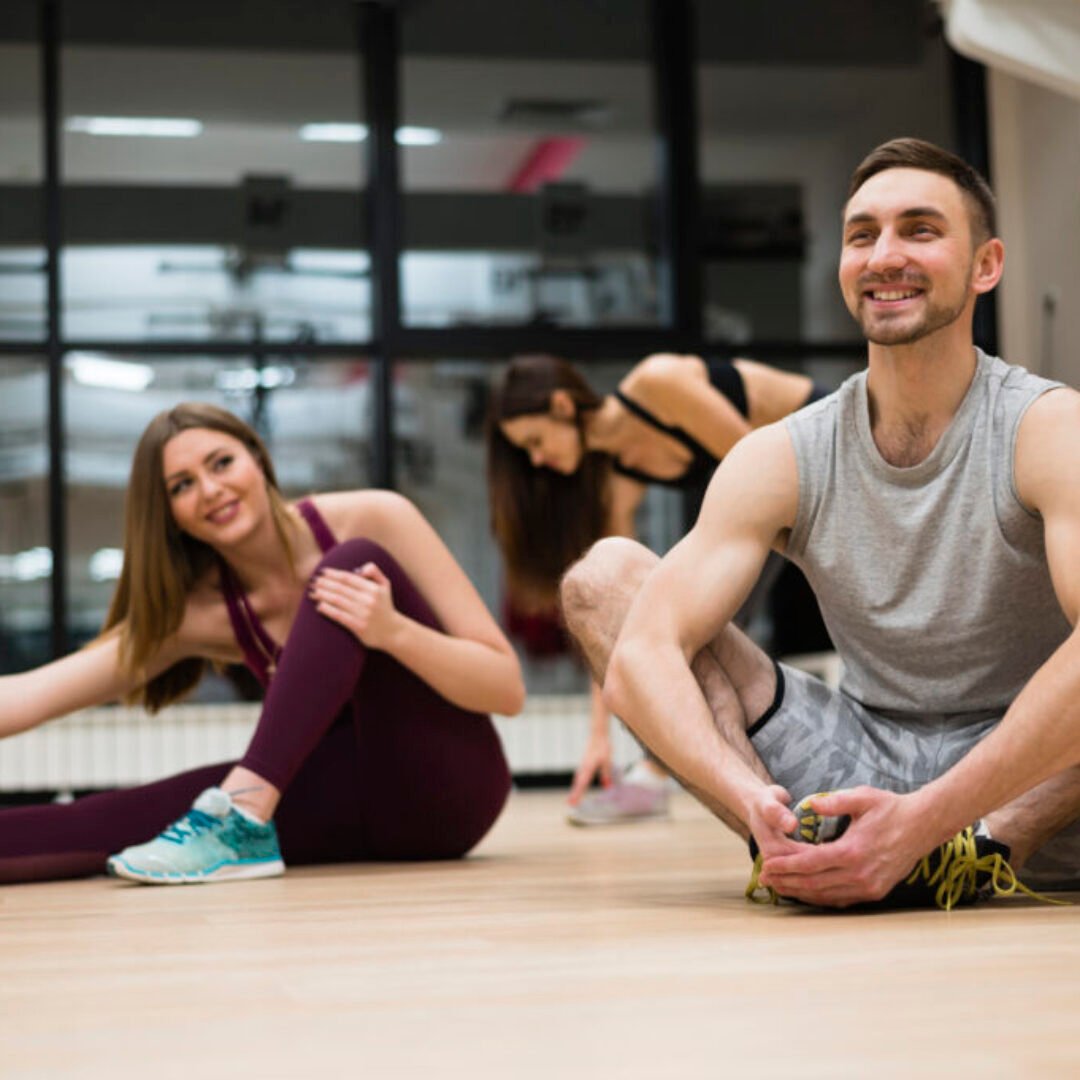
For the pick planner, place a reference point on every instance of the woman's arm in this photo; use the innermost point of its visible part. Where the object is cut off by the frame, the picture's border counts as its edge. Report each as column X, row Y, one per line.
column 469, row 662
column 624, row 498
column 596, row 761
column 94, row 675
column 91, row 676
column 676, row 389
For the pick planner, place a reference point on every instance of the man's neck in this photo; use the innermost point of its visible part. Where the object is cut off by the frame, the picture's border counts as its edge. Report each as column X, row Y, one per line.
column 914, row 392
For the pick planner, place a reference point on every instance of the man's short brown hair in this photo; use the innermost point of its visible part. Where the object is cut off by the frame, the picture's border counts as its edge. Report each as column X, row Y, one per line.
column 918, row 154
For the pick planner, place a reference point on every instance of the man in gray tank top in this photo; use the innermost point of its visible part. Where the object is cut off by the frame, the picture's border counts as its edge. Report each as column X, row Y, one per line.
column 933, row 503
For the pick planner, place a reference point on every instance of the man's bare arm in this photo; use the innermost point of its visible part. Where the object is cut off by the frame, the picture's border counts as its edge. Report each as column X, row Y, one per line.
column 685, row 603
column 1040, row 734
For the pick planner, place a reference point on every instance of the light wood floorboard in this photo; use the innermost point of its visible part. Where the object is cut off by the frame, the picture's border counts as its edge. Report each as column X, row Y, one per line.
column 552, row 952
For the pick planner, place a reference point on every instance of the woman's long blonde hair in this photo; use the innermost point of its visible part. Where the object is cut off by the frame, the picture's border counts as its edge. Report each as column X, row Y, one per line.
column 162, row 564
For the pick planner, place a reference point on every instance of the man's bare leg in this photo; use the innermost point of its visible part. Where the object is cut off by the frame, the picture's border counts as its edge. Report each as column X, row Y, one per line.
column 1035, row 817
column 737, row 679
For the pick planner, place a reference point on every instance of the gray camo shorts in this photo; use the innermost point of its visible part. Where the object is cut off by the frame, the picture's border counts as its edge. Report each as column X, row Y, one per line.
column 815, row 738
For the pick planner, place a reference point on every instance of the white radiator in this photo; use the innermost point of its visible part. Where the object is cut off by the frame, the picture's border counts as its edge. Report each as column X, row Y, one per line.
column 115, row 746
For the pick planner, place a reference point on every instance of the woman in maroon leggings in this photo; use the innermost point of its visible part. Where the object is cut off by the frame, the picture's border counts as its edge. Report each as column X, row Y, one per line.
column 378, row 657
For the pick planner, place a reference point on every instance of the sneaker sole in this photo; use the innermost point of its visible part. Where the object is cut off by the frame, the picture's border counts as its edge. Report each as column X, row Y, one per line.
column 224, row 872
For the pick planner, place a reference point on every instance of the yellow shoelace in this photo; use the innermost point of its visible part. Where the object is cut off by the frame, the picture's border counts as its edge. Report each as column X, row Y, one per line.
column 753, row 888
column 958, row 869
column 808, row 830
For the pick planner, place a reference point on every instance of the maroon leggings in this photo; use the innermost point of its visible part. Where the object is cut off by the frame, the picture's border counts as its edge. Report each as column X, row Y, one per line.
column 373, row 763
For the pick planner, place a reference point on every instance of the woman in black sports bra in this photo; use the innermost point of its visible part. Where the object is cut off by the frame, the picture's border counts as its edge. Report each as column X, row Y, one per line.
column 567, row 466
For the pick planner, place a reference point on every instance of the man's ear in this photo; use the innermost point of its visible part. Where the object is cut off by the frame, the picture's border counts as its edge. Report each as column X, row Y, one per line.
column 989, row 265
column 562, row 405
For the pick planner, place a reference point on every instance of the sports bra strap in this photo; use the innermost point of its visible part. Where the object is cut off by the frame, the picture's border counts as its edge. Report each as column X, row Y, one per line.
column 317, row 523
column 668, row 429
column 261, row 651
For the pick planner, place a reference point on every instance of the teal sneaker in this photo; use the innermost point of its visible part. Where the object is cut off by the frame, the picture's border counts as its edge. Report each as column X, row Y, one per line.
column 213, row 841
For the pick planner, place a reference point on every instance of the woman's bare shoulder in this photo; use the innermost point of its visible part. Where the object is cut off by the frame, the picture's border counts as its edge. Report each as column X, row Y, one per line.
column 362, row 512
column 660, row 371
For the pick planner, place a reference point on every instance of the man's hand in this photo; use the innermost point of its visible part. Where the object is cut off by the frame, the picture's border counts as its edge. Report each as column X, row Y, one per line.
column 771, row 822
column 881, row 846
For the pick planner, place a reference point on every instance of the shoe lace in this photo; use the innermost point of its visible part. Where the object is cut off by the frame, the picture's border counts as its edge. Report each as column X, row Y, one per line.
column 756, row 893
column 191, row 824
column 956, row 866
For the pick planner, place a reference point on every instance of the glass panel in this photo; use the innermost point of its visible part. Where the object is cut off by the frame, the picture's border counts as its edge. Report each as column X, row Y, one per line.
column 314, row 415
column 22, row 258
column 25, row 558
column 441, row 467
column 117, row 293
column 442, row 288
column 529, row 165
column 784, row 117
column 199, row 204
column 22, row 291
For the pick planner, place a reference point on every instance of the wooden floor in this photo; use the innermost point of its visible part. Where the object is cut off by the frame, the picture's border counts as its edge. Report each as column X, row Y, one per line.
column 553, row 952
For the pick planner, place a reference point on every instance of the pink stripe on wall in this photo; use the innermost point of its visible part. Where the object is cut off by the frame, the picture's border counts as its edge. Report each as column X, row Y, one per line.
column 547, row 161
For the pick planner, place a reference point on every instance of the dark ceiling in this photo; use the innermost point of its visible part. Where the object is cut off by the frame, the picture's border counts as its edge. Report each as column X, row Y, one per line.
column 826, row 32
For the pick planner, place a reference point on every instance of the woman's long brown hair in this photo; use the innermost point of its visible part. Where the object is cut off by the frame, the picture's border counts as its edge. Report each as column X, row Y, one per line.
column 162, row 564
column 542, row 520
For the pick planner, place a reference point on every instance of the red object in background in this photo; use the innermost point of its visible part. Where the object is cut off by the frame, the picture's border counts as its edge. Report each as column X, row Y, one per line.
column 540, row 633
column 547, row 161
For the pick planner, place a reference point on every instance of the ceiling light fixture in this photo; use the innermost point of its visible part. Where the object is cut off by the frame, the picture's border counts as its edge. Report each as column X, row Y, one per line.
column 30, row 565
column 407, row 135
column 410, row 135
column 92, row 370
column 246, row 380
column 346, row 133
column 158, row 127
column 106, row 563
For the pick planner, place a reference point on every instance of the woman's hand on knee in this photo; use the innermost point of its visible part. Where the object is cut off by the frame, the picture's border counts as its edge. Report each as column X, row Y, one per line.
column 362, row 601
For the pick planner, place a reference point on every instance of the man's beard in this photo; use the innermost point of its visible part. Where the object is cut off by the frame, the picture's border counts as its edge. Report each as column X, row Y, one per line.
column 934, row 319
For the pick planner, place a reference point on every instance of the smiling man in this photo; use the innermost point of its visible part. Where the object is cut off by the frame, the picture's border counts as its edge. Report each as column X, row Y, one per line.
column 933, row 503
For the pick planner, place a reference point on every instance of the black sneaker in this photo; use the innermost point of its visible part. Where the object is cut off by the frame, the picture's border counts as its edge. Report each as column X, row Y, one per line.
column 962, row 871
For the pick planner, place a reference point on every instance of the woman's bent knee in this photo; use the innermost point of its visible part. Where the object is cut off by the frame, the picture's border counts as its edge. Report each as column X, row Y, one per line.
column 353, row 554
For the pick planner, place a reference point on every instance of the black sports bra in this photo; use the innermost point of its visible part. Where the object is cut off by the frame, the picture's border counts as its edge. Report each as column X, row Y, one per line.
column 724, row 377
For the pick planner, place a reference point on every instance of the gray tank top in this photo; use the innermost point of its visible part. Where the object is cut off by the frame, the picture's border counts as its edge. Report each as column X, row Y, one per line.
column 933, row 579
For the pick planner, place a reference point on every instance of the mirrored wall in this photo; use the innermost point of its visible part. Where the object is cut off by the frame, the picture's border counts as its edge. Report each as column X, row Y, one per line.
column 225, row 223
